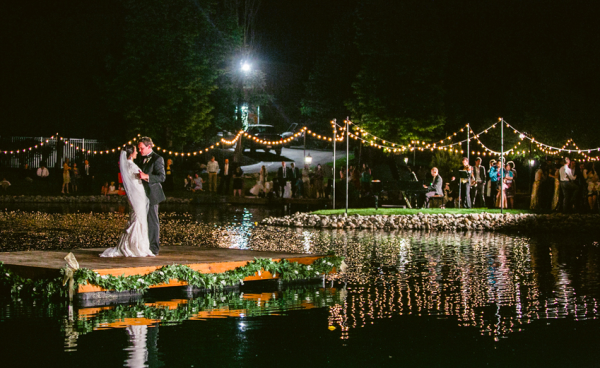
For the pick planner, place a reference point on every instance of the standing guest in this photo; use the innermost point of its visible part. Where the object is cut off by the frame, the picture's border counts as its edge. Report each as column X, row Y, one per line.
column 555, row 175
column 494, row 174
column 355, row 177
column 593, row 184
column 197, row 183
column 75, row 178
column 465, row 183
column 283, row 176
column 514, row 171
column 365, row 180
column 488, row 187
column 540, row 177
column 448, row 196
column 43, row 176
column 296, row 177
column 169, row 183
column 87, row 176
column 213, row 168
column 306, row 188
column 568, row 187
column 434, row 189
column 262, row 176
column 478, row 187
column 4, row 184
column 509, row 186
column 225, row 175
column 318, row 180
column 66, row 176
column 238, row 182
column 581, row 181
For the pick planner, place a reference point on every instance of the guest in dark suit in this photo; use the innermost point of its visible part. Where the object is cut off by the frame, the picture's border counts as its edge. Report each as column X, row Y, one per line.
column 296, row 178
column 225, row 174
column 152, row 175
column 480, row 177
column 87, row 176
column 284, row 174
column 434, row 189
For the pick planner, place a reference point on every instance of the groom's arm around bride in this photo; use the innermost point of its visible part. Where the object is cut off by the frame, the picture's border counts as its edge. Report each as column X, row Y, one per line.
column 153, row 175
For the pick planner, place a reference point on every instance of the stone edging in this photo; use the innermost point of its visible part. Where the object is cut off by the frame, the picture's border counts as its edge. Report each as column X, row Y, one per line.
column 460, row 222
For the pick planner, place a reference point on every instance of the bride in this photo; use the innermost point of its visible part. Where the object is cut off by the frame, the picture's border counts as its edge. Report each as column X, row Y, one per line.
column 134, row 239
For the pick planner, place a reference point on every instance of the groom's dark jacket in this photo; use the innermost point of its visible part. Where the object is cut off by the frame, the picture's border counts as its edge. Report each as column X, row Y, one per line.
column 155, row 168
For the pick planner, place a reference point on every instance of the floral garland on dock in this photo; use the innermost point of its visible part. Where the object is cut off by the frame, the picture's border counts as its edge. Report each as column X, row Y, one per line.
column 286, row 270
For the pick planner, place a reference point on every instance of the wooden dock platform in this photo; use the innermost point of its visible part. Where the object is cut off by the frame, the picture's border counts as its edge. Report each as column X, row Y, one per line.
column 47, row 264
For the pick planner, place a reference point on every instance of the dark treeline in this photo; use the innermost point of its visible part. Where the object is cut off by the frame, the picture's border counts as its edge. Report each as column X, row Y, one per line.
column 404, row 69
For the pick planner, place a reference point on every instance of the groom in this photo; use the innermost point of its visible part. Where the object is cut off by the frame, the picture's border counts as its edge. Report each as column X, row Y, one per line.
column 152, row 175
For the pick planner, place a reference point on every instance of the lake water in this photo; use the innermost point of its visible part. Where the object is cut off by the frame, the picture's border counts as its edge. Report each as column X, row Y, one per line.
column 407, row 299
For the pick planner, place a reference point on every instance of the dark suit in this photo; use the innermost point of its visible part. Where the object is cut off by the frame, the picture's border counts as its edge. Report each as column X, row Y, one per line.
column 155, row 168
column 479, row 188
column 225, row 179
column 296, row 177
column 434, row 189
column 87, row 176
column 283, row 179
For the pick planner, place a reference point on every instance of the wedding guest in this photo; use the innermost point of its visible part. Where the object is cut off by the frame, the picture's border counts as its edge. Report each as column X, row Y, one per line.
column 318, row 180
column 465, row 183
column 478, row 189
column 306, row 187
column 355, row 177
column 169, row 184
column 296, row 177
column 87, row 177
column 540, row 177
column 448, row 196
column 197, row 183
column 568, row 187
column 593, row 184
column 225, row 175
column 66, row 176
column 556, row 196
column 488, row 186
column 365, row 180
column 238, row 182
column 213, row 169
column 75, row 178
column 104, row 190
column 262, row 176
column 510, row 187
column 495, row 174
column 188, row 182
column 112, row 189
column 283, row 176
column 514, row 171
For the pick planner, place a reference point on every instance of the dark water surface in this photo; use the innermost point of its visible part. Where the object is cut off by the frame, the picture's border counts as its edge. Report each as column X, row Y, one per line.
column 408, row 299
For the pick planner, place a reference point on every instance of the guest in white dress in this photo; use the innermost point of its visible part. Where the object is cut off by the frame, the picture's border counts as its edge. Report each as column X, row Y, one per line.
column 134, row 239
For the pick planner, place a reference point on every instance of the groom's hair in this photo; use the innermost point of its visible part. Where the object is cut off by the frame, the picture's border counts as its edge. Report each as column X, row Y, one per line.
column 147, row 141
column 129, row 148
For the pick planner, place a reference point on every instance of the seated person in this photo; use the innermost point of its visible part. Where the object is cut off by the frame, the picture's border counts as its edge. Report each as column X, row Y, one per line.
column 104, row 190
column 112, row 190
column 435, row 189
column 448, row 196
column 197, row 183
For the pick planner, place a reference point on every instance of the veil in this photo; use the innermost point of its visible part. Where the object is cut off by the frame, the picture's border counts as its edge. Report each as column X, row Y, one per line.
column 125, row 176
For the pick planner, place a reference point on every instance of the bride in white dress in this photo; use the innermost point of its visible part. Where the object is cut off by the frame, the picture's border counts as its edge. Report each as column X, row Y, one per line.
column 134, row 239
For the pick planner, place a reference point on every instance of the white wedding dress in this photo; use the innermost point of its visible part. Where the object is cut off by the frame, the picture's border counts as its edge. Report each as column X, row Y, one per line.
column 134, row 239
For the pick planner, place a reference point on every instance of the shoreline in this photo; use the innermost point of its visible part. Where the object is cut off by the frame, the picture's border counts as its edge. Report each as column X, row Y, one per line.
column 524, row 222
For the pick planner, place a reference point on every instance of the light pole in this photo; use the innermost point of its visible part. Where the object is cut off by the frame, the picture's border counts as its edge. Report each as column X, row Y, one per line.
column 334, row 123
column 502, row 169
column 347, row 161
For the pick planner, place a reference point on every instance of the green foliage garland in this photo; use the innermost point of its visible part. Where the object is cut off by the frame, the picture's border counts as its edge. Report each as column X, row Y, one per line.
column 286, row 270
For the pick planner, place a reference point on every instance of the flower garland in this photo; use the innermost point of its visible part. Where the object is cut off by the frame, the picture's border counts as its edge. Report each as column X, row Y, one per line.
column 286, row 270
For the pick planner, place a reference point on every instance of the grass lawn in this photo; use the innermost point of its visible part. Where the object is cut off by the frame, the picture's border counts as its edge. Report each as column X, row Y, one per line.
column 408, row 211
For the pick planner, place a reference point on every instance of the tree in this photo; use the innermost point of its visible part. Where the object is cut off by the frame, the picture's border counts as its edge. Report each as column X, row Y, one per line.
column 162, row 81
column 399, row 91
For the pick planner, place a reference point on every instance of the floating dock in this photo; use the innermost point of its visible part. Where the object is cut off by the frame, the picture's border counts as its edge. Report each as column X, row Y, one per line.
column 47, row 264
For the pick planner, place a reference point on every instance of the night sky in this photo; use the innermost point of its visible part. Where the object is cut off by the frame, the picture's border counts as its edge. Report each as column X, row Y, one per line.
column 504, row 56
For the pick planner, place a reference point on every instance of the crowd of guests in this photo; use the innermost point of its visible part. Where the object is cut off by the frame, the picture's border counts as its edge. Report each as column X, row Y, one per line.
column 565, row 186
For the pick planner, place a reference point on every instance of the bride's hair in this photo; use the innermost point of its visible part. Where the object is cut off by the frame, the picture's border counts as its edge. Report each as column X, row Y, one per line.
column 129, row 148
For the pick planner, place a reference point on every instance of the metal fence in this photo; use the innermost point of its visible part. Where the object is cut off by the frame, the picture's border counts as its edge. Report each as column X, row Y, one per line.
column 53, row 152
